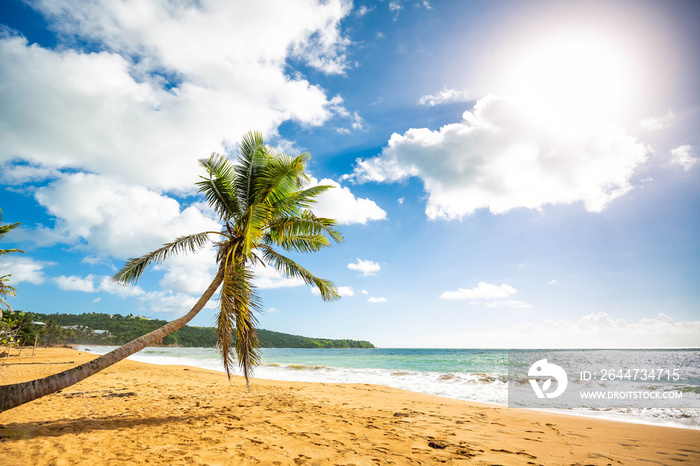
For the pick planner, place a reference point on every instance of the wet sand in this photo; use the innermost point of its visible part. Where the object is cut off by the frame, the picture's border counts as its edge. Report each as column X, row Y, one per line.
column 136, row 413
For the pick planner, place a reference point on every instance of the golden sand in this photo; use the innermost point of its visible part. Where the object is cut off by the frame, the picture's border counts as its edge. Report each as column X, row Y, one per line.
column 135, row 413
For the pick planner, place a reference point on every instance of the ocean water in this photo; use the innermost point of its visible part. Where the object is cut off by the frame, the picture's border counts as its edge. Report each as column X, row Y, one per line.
column 479, row 375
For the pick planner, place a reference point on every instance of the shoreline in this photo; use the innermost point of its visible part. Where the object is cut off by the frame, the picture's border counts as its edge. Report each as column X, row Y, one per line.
column 349, row 374
column 136, row 412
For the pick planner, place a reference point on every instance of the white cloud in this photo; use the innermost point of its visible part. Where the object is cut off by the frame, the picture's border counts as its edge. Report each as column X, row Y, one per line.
column 342, row 291
column 552, row 282
column 508, row 303
column 684, row 156
column 596, row 330
column 339, row 203
column 190, row 273
column 173, row 82
column 107, row 285
column 363, row 10
column 24, row 269
column 269, row 278
column 93, row 284
column 376, row 300
column 168, row 302
column 492, row 296
column 75, row 283
column 367, row 267
column 395, row 6
column 357, row 123
column 505, row 155
column 482, row 291
column 163, row 301
column 445, row 96
column 110, row 217
column 658, row 122
column 14, row 174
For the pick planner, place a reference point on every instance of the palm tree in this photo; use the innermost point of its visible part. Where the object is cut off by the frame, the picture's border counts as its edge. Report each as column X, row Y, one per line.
column 5, row 289
column 263, row 202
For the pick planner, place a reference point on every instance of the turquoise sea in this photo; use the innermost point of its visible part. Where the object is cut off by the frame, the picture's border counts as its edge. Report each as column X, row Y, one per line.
column 479, row 375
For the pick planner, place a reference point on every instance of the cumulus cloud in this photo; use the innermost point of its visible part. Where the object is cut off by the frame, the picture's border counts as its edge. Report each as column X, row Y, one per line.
column 374, row 300
column 505, row 155
column 21, row 173
column 107, row 218
column 493, row 296
column 114, row 218
column 595, row 330
column 508, row 303
column 482, row 291
column 75, row 283
column 267, row 277
column 366, row 267
column 395, row 6
column 24, row 269
column 684, row 157
column 445, row 96
column 93, row 284
column 341, row 204
column 190, row 273
column 166, row 82
column 162, row 301
column 658, row 122
column 343, row 291
column 363, row 10
column 168, row 302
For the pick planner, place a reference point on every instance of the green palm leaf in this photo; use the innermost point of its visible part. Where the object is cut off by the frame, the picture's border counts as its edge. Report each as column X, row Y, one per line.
column 134, row 268
column 218, row 187
column 293, row 270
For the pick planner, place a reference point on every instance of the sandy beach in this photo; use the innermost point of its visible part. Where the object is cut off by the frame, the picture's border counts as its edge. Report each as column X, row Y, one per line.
column 135, row 413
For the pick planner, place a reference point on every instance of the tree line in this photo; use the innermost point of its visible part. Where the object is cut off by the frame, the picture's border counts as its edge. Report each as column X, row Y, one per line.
column 115, row 329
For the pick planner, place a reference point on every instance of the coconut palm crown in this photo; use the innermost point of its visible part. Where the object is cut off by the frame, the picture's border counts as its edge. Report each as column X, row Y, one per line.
column 263, row 202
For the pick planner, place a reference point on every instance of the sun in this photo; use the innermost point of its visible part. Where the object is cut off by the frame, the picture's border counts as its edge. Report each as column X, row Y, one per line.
column 572, row 78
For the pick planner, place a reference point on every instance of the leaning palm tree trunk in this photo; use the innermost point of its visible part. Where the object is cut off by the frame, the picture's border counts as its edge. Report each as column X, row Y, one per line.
column 17, row 394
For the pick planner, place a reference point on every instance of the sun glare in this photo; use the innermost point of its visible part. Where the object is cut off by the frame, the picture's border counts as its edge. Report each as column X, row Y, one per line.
column 573, row 79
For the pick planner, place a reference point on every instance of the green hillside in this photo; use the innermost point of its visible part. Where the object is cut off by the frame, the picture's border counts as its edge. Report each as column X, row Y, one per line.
column 107, row 329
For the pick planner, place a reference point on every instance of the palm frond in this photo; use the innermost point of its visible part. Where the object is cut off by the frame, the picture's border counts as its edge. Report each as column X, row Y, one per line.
column 298, row 201
column 5, row 229
column 281, row 178
column 10, row 251
column 293, row 270
column 134, row 268
column 5, row 289
column 253, row 156
column 302, row 243
column 218, row 187
column 236, row 321
column 306, row 224
column 7, row 305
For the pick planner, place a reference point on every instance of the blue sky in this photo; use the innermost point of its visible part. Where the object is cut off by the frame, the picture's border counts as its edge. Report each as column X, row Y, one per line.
column 509, row 174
